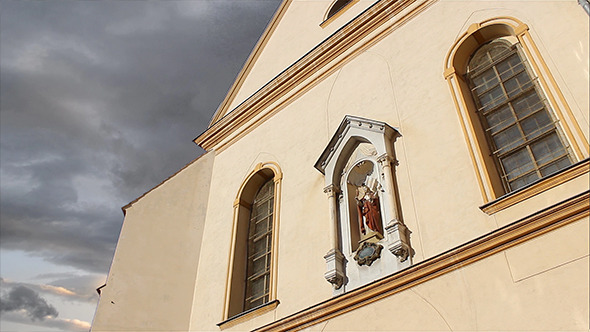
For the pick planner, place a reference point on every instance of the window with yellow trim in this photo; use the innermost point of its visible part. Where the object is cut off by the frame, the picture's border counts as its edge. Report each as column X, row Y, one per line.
column 259, row 247
column 520, row 127
column 337, row 6
column 253, row 256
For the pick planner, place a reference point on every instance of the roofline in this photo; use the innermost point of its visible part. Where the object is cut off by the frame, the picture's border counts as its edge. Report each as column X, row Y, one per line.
column 340, row 42
column 256, row 51
column 124, row 208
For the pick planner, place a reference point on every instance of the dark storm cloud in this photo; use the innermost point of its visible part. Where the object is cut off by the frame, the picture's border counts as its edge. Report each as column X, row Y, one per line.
column 99, row 103
column 24, row 298
column 81, row 288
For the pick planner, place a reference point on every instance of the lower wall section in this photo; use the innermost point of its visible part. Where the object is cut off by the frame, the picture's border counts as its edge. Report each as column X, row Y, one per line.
column 482, row 296
column 149, row 287
column 529, row 275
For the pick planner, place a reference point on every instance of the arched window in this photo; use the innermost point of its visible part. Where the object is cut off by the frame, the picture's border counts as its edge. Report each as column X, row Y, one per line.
column 336, row 7
column 519, row 124
column 259, row 247
column 251, row 283
column 521, row 133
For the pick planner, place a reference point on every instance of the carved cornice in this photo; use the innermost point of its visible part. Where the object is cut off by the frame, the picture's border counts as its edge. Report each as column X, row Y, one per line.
column 343, row 40
column 522, row 230
column 331, row 190
column 385, row 160
column 340, row 134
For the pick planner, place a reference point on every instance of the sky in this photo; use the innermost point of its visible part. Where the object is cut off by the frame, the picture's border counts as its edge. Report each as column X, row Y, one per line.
column 99, row 102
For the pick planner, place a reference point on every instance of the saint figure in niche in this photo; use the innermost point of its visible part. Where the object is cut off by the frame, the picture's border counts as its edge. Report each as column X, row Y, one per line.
column 368, row 209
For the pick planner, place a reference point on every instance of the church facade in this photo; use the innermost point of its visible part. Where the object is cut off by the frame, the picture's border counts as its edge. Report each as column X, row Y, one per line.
column 409, row 165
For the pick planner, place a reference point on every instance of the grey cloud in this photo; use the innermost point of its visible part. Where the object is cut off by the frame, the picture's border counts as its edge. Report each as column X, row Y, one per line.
column 24, row 298
column 99, row 103
column 81, row 288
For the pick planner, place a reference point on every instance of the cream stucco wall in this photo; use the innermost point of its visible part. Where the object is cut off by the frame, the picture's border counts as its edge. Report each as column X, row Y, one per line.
column 491, row 295
column 399, row 81
column 157, row 256
column 394, row 76
column 300, row 26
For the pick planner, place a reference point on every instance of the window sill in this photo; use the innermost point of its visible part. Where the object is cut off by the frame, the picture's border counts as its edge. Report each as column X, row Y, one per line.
column 537, row 187
column 248, row 314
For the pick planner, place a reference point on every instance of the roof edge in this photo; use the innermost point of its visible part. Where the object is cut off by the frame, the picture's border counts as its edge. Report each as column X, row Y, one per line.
column 247, row 67
column 128, row 205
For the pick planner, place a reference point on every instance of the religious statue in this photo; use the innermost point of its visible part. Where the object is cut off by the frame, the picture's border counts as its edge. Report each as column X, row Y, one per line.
column 368, row 209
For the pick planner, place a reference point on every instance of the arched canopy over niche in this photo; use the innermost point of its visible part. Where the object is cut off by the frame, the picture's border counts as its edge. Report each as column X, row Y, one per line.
column 253, row 255
column 352, row 131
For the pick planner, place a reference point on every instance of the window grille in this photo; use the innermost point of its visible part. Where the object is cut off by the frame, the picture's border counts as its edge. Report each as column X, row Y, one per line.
column 259, row 247
column 519, row 124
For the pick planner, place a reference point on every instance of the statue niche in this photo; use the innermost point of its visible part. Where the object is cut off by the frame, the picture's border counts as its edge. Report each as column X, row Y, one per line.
column 366, row 221
column 358, row 165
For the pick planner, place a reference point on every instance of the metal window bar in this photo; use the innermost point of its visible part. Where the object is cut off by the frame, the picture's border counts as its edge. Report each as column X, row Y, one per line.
column 520, row 139
column 259, row 247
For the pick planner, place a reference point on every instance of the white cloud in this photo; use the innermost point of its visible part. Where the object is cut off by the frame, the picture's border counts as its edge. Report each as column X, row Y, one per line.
column 63, row 324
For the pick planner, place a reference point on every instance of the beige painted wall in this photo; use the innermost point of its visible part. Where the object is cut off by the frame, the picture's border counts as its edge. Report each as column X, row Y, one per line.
column 399, row 80
column 300, row 26
column 157, row 256
column 539, row 284
column 493, row 294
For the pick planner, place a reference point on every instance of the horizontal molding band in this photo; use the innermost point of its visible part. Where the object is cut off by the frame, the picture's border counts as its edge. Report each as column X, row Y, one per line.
column 520, row 231
column 338, row 43
column 248, row 314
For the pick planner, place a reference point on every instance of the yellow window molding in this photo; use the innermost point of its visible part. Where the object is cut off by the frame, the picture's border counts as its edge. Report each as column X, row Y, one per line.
column 330, row 17
column 537, row 187
column 249, row 314
column 476, row 35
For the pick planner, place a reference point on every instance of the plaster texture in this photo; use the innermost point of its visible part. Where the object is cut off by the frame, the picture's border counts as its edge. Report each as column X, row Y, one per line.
column 176, row 240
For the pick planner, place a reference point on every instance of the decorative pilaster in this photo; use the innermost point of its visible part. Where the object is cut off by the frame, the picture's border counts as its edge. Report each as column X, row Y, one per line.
column 334, row 258
column 332, row 191
column 385, row 161
column 398, row 235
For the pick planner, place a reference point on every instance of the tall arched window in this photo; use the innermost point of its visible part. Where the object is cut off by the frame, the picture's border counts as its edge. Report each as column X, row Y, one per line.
column 522, row 136
column 259, row 247
column 520, row 126
column 251, row 280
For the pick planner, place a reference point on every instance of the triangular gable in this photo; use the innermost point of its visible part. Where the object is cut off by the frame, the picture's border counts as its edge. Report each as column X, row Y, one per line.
column 295, row 29
column 223, row 108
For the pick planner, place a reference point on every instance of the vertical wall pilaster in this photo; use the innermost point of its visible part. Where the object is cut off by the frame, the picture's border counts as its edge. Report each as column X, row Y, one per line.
column 334, row 258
